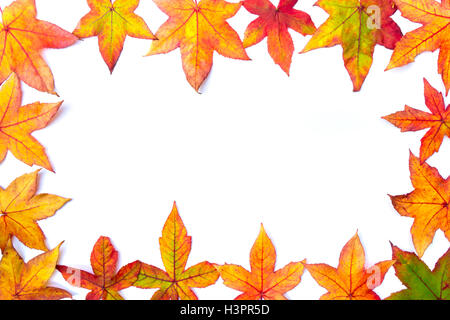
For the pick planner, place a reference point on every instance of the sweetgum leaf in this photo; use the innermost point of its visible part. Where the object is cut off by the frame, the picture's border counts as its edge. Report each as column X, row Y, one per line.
column 438, row 121
column 351, row 280
column 433, row 35
column 428, row 204
column 112, row 21
column 358, row 26
column 273, row 23
column 421, row 282
column 28, row 281
column 262, row 282
column 21, row 208
column 198, row 29
column 105, row 283
column 176, row 282
column 22, row 38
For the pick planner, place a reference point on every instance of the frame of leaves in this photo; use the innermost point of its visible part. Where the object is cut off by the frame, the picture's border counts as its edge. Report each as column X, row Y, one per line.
column 23, row 36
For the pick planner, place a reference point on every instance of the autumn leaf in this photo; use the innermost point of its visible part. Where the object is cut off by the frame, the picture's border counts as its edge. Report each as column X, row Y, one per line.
column 262, row 282
column 28, row 281
column 21, row 208
column 433, row 35
column 112, row 21
column 438, row 121
column 22, row 37
column 198, row 29
column 17, row 123
column 358, row 26
column 350, row 280
column 273, row 23
column 421, row 282
column 176, row 282
column 105, row 283
column 428, row 204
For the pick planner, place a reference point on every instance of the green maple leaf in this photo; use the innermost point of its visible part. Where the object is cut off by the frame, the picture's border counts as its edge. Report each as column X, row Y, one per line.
column 421, row 282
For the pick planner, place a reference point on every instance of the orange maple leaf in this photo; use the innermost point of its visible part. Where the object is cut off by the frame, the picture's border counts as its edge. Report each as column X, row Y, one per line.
column 428, row 204
column 262, row 282
column 17, row 123
column 112, row 21
column 198, row 29
column 176, row 282
column 351, row 280
column 28, row 281
column 433, row 35
column 20, row 208
column 105, row 283
column 22, row 37
column 438, row 121
column 358, row 26
column 273, row 23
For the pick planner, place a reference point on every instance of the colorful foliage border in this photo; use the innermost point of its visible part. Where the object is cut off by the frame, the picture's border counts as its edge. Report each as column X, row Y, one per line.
column 141, row 275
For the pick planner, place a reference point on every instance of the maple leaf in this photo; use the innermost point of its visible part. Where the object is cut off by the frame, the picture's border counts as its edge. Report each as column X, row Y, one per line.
column 421, row 282
column 433, row 35
column 350, row 280
column 105, row 283
column 262, row 282
column 198, row 29
column 28, row 281
column 273, row 23
column 22, row 37
column 112, row 21
column 21, row 208
column 428, row 204
column 17, row 123
column 358, row 26
column 176, row 282
column 438, row 121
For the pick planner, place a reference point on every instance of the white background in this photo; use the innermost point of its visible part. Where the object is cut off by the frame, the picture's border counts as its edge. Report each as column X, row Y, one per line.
column 304, row 155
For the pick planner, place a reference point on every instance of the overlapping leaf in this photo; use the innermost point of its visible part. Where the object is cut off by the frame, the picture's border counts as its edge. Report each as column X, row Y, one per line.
column 262, row 282
column 105, row 283
column 28, row 281
column 21, row 208
column 433, row 35
column 175, row 283
column 428, row 204
column 18, row 122
column 273, row 23
column 421, row 282
column 112, row 21
column 350, row 280
column 198, row 29
column 22, row 37
column 358, row 26
column 438, row 121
